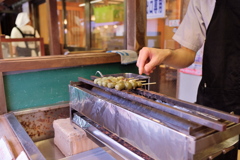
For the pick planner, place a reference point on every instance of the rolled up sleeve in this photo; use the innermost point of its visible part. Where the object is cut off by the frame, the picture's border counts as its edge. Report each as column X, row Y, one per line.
column 192, row 30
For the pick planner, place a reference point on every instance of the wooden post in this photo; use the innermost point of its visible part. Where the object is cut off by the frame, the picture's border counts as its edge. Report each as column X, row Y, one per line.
column 3, row 104
column 87, row 25
column 53, row 27
column 1, row 52
column 136, row 24
column 42, row 51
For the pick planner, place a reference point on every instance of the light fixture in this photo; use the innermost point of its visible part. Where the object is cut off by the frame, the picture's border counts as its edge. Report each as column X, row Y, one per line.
column 65, row 21
column 83, row 4
column 92, row 18
column 95, row 1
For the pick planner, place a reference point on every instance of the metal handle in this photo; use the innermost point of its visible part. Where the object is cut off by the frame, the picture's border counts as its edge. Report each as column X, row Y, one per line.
column 224, row 151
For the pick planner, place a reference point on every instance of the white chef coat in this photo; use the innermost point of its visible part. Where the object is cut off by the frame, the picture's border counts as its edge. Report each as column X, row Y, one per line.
column 192, row 30
column 27, row 29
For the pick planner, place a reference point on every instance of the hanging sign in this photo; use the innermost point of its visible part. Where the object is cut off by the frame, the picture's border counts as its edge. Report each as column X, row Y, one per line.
column 156, row 8
column 109, row 13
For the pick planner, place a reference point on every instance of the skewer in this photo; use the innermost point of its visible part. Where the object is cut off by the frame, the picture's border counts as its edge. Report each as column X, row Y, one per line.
column 149, row 83
column 134, row 79
column 141, row 81
column 99, row 73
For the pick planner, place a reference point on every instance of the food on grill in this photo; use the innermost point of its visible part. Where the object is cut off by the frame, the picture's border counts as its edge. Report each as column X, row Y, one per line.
column 134, row 83
column 96, row 80
column 139, row 84
column 119, row 83
column 119, row 86
column 111, row 84
column 128, row 85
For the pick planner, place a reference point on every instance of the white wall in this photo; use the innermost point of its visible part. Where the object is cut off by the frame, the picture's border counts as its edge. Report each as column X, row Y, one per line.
column 188, row 86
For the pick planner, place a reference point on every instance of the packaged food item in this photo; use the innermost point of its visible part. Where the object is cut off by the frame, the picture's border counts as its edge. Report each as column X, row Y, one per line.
column 71, row 141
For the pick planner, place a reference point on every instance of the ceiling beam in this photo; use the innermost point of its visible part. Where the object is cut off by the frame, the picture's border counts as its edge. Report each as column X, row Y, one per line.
column 19, row 3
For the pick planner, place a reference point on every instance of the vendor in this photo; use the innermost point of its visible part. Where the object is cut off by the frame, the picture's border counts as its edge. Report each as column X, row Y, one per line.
column 24, row 29
column 216, row 24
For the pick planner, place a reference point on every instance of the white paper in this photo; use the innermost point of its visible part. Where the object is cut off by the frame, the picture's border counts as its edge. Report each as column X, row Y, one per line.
column 22, row 156
column 5, row 152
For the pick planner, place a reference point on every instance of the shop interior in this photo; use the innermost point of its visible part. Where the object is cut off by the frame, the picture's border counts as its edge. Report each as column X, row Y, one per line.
column 75, row 37
column 97, row 28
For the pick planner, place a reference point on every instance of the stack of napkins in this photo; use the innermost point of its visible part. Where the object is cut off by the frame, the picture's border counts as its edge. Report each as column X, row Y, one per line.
column 127, row 56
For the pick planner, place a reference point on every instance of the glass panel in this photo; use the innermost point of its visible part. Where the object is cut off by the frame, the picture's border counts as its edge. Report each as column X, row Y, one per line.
column 12, row 48
column 107, row 24
column 18, row 24
column 71, row 24
column 163, row 18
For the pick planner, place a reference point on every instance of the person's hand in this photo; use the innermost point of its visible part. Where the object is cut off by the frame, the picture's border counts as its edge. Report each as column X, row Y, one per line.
column 149, row 58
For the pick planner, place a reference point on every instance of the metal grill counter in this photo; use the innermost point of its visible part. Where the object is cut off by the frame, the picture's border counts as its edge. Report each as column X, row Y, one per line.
column 153, row 125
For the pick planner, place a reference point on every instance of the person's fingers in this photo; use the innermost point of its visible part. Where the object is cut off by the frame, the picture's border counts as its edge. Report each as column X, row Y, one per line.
column 149, row 72
column 142, row 59
column 148, row 60
column 150, row 66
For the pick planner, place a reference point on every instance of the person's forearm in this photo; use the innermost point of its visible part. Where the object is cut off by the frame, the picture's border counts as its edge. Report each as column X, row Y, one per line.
column 180, row 58
column 149, row 58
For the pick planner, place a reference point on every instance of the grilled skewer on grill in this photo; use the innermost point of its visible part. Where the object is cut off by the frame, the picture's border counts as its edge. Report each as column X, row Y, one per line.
column 120, row 83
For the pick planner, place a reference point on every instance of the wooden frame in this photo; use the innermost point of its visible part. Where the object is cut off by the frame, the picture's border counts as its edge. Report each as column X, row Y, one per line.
column 10, row 40
column 52, row 62
column 3, row 104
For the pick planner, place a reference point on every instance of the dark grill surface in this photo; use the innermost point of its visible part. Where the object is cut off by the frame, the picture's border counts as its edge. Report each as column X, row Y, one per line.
column 124, row 143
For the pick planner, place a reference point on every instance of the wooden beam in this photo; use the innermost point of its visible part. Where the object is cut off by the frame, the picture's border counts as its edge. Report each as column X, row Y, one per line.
column 136, row 24
column 1, row 52
column 131, row 23
column 61, row 61
column 141, row 24
column 54, row 44
column 3, row 105
column 87, row 25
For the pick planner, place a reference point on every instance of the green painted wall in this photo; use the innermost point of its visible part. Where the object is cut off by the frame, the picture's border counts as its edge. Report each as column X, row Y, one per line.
column 47, row 87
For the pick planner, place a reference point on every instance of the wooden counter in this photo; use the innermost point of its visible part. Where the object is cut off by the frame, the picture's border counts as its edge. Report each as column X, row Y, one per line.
column 38, row 81
column 48, row 62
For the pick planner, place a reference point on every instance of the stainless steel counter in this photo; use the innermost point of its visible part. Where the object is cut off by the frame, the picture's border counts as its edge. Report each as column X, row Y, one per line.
column 34, row 130
column 51, row 152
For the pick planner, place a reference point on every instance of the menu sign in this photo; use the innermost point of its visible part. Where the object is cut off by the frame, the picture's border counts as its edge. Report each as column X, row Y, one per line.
column 156, row 8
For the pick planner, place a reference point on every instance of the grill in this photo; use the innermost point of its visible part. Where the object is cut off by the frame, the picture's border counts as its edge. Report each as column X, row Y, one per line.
column 141, row 124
